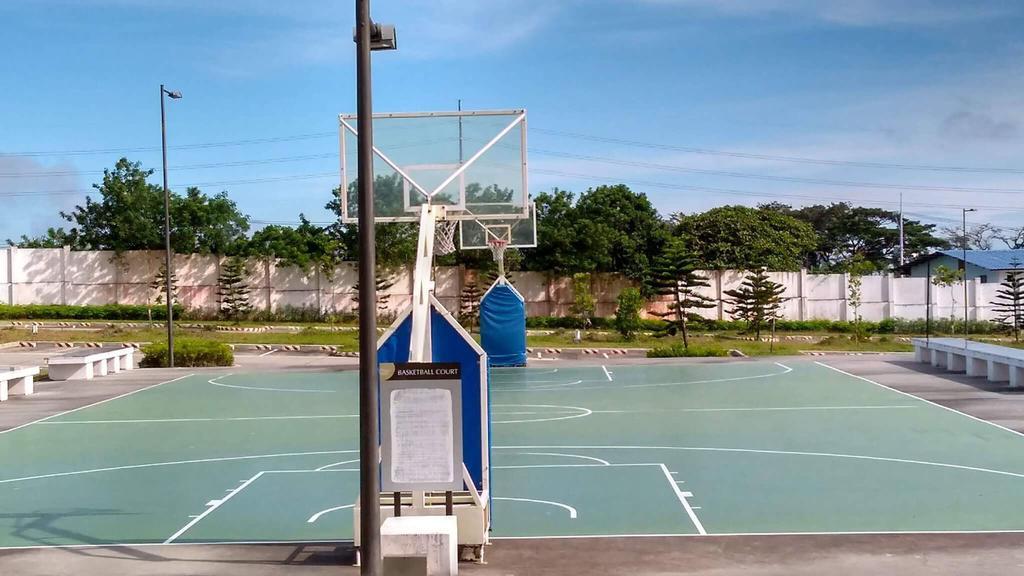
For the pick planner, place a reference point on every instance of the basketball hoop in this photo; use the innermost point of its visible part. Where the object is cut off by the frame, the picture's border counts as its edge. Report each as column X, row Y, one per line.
column 444, row 237
column 498, row 246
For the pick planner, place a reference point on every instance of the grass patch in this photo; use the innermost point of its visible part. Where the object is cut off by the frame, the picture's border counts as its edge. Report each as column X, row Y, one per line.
column 678, row 351
column 191, row 352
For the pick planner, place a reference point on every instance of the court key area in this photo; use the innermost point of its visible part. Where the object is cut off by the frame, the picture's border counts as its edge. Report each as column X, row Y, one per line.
column 600, row 450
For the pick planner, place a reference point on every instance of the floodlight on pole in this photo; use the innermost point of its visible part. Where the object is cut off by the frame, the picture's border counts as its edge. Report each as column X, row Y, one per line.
column 368, row 37
column 964, row 279
column 169, row 256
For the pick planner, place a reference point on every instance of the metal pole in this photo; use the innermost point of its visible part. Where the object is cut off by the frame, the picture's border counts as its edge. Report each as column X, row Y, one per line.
column 369, row 450
column 460, row 132
column 964, row 279
column 928, row 303
column 902, row 258
column 169, row 262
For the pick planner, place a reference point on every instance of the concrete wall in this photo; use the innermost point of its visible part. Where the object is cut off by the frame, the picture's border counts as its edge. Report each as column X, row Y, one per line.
column 59, row 276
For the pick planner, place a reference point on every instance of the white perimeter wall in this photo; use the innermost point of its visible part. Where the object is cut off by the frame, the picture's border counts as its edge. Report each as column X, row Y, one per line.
column 60, row 276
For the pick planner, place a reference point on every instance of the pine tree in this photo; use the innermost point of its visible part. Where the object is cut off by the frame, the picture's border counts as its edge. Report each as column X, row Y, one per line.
column 757, row 301
column 159, row 286
column 469, row 305
column 1009, row 302
column 383, row 283
column 232, row 291
column 675, row 274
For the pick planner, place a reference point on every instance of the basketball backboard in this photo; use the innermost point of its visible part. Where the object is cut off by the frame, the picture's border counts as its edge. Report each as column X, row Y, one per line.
column 472, row 162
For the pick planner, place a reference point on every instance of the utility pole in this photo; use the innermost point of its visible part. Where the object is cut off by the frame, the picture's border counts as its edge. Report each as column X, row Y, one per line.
column 964, row 279
column 902, row 256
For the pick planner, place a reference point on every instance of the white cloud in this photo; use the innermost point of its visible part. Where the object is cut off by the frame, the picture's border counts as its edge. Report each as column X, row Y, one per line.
column 856, row 12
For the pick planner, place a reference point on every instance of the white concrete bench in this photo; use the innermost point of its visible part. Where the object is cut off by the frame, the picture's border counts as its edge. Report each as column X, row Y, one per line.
column 17, row 380
column 434, row 538
column 86, row 363
column 997, row 363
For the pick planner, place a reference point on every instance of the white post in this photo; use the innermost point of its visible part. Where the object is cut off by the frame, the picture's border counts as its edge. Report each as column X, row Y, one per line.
column 423, row 285
column 801, row 294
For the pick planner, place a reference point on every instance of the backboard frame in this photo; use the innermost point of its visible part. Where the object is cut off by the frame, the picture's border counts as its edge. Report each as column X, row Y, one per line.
column 460, row 211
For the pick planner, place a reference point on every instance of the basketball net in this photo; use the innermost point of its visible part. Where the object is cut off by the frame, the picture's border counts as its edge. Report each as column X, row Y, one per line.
column 498, row 247
column 444, row 236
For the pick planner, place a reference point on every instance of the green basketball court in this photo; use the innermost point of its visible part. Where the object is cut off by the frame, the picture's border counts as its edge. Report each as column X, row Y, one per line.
column 597, row 450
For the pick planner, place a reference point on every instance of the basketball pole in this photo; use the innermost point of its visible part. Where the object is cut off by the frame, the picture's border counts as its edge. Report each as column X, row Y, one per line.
column 369, row 449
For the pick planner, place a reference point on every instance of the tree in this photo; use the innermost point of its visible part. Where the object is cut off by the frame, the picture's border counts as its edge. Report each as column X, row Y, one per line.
column 609, row 229
column 845, row 232
column 159, row 286
column 945, row 277
column 627, row 314
column 856, row 270
column 383, row 283
column 1009, row 302
column 1012, row 237
column 232, row 291
column 469, row 303
column 740, row 237
column 395, row 241
column 675, row 275
column 979, row 236
column 202, row 224
column 630, row 223
column 54, row 238
column 129, row 215
column 306, row 246
column 757, row 301
column 583, row 303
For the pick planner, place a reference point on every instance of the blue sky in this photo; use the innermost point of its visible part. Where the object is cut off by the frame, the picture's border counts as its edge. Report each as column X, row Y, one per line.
column 656, row 89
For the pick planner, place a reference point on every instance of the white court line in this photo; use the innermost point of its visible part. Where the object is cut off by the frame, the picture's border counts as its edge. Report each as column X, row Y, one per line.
column 775, row 452
column 598, row 460
column 682, row 496
column 517, row 371
column 583, row 412
column 778, row 408
column 211, row 506
column 572, row 511
column 545, row 386
column 786, row 370
column 742, row 534
column 918, row 398
column 317, row 516
column 682, row 500
column 176, row 463
column 238, row 419
column 322, row 468
column 606, row 372
column 268, row 353
column 211, row 381
column 783, row 366
column 94, row 404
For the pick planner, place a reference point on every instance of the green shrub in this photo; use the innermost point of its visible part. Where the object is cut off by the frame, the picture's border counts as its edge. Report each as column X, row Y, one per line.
column 104, row 312
column 627, row 314
column 678, row 351
column 191, row 352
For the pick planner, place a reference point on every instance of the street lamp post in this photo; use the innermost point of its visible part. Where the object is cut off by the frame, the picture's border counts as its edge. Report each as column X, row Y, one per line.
column 368, row 37
column 169, row 263
column 964, row 279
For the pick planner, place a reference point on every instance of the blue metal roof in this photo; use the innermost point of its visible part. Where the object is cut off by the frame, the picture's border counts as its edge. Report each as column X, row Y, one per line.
column 989, row 259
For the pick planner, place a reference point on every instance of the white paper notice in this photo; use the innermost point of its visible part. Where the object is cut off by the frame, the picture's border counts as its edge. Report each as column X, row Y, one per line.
column 422, row 436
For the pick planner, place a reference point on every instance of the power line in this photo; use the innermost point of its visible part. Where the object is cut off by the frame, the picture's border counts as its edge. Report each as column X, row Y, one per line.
column 201, row 145
column 770, row 195
column 780, row 158
column 768, row 177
